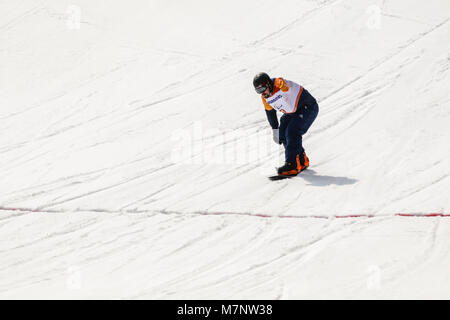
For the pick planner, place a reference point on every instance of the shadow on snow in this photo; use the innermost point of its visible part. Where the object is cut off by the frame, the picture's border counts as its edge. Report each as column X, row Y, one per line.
column 320, row 180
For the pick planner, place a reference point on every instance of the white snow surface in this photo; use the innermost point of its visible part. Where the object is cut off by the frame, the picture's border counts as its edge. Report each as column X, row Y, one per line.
column 134, row 152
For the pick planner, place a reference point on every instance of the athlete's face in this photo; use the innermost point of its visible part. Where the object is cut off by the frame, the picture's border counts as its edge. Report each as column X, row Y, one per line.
column 266, row 93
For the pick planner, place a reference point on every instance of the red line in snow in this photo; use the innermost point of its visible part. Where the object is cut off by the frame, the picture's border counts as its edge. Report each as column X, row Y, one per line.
column 417, row 215
column 260, row 215
column 422, row 214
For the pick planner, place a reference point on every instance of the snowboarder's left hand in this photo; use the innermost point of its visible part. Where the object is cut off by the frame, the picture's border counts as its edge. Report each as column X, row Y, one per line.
column 276, row 135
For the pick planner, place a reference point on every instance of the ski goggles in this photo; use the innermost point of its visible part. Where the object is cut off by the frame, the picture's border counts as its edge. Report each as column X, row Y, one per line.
column 261, row 89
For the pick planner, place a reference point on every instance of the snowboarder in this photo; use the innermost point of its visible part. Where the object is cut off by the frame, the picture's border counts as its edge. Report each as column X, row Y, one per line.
column 300, row 110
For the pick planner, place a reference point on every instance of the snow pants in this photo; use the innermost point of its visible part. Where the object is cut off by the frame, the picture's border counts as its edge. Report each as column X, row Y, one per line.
column 294, row 126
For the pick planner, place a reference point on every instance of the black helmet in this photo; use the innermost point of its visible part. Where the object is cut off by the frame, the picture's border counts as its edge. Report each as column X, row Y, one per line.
column 261, row 82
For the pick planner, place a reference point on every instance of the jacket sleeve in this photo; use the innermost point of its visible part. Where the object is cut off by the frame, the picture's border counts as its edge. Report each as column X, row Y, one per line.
column 266, row 105
column 272, row 117
column 281, row 84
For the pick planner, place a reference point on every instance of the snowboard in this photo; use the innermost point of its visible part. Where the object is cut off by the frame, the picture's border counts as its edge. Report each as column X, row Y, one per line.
column 278, row 177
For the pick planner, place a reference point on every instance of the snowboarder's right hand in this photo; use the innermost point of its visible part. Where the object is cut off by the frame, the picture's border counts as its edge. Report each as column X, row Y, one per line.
column 276, row 135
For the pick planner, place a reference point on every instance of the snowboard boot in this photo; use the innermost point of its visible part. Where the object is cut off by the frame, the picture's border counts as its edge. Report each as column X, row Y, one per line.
column 302, row 162
column 292, row 169
column 289, row 169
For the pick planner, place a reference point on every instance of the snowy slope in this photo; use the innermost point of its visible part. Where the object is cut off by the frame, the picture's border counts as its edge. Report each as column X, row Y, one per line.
column 135, row 153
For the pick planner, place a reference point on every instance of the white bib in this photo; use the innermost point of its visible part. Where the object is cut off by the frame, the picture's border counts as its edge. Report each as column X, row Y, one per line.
column 286, row 102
